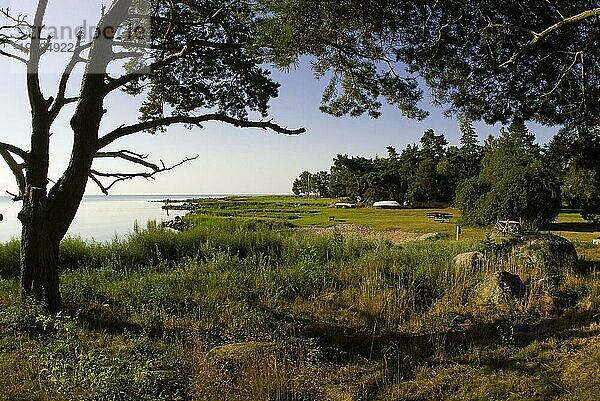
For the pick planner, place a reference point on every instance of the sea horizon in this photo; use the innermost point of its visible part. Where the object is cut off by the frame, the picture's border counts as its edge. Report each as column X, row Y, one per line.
column 103, row 218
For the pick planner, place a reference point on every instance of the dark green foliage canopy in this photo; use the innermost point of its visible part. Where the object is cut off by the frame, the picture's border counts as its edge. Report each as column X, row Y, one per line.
column 428, row 185
column 350, row 176
column 302, row 185
column 421, row 175
column 509, row 178
column 575, row 156
column 490, row 60
column 581, row 189
column 354, row 45
column 308, row 183
column 514, row 183
column 321, row 183
column 496, row 60
column 218, row 67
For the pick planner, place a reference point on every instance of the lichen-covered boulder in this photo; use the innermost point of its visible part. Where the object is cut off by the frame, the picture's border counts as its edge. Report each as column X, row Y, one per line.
column 499, row 290
column 469, row 261
column 544, row 259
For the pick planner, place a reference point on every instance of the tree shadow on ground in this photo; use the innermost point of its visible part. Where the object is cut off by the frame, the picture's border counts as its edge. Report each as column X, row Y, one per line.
column 577, row 227
column 99, row 319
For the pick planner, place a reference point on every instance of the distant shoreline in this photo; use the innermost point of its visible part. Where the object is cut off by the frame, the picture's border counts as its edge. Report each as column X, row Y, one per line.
column 157, row 197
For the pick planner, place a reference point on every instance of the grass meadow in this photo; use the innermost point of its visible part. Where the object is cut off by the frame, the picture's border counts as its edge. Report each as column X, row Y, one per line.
column 250, row 305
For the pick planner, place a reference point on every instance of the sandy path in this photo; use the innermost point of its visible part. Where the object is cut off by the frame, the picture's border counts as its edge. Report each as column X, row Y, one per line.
column 395, row 236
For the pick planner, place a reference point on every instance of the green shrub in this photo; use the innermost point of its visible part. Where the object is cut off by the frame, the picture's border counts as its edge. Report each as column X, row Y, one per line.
column 10, row 253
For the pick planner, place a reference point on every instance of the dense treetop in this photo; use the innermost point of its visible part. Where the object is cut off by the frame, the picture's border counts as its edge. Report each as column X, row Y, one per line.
column 492, row 60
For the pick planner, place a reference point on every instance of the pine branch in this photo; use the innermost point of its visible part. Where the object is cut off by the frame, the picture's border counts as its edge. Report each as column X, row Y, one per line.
column 595, row 12
column 192, row 120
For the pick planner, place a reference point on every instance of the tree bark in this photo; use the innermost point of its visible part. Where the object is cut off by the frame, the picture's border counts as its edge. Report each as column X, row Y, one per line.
column 39, row 253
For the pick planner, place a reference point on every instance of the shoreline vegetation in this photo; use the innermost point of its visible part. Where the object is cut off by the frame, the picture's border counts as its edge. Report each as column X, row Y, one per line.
column 284, row 298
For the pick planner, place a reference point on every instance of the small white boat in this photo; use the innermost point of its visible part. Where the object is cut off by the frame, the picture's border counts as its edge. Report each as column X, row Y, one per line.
column 387, row 205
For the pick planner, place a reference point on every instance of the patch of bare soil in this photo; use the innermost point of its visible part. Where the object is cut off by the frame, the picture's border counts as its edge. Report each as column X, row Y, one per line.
column 353, row 230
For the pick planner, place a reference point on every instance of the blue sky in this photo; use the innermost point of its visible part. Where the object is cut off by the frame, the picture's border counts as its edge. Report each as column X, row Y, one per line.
column 231, row 160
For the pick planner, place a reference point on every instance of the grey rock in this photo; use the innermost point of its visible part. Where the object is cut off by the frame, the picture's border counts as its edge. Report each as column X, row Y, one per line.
column 545, row 258
column 501, row 288
column 429, row 237
column 469, row 260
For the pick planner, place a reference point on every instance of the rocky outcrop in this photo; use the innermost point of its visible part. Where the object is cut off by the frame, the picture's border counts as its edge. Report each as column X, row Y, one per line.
column 472, row 261
column 526, row 284
column 429, row 237
column 499, row 290
column 544, row 259
column 177, row 224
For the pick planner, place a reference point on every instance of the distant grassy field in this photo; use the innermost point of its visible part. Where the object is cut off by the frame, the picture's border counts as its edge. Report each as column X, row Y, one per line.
column 251, row 305
column 319, row 211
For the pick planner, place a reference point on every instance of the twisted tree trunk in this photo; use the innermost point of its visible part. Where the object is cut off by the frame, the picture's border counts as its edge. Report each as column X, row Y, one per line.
column 39, row 253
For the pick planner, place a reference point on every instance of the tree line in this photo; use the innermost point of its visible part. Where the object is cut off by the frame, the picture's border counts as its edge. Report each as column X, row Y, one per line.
column 505, row 177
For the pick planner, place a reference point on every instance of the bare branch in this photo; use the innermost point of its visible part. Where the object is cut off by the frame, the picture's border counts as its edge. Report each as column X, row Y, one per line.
column 12, row 41
column 19, row 20
column 46, row 45
column 16, row 168
column 99, row 184
column 17, row 30
column 34, row 90
column 13, row 56
column 6, row 151
column 556, row 8
column 15, row 197
column 578, row 55
column 193, row 120
column 129, row 156
column 512, row 27
column 126, row 55
column 70, row 100
column 15, row 150
column 61, row 100
column 120, row 177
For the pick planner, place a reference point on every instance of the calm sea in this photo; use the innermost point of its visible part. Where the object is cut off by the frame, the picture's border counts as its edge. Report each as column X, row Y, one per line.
column 100, row 217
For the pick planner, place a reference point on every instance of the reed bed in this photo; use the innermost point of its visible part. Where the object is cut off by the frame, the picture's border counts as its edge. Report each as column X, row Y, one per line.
column 251, row 310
